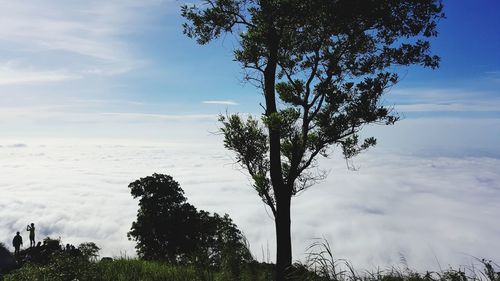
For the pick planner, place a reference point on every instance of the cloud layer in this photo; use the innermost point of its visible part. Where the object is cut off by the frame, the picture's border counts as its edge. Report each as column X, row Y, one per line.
column 425, row 208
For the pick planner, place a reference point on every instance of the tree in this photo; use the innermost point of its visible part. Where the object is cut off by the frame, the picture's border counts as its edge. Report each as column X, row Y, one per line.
column 89, row 250
column 322, row 66
column 169, row 228
column 162, row 229
column 221, row 246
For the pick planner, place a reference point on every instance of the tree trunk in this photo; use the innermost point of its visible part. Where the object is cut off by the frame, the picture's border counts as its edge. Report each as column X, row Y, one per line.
column 283, row 237
column 281, row 192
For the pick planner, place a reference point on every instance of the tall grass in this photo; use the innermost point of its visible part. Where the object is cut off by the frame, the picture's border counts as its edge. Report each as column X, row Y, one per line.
column 132, row 270
column 63, row 268
column 321, row 265
column 129, row 269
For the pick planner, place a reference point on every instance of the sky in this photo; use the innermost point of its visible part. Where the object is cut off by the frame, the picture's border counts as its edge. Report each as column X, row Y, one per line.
column 95, row 94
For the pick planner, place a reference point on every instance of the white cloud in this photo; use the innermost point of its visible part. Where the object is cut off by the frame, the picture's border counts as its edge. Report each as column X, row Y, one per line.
column 450, row 107
column 419, row 205
column 84, row 37
column 440, row 94
column 10, row 75
column 444, row 100
column 445, row 136
column 76, row 121
column 221, row 102
column 175, row 117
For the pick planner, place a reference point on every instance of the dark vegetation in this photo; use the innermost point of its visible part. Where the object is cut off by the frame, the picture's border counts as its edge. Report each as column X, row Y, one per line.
column 7, row 260
column 320, row 266
column 170, row 229
column 322, row 67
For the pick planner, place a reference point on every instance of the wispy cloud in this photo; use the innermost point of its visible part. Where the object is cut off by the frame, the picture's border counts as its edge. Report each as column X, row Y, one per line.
column 221, row 102
column 445, row 100
column 84, row 37
column 451, row 107
column 493, row 76
column 173, row 117
column 10, row 75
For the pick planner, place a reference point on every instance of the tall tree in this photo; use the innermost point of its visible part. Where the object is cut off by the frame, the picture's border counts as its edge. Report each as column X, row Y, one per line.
column 322, row 66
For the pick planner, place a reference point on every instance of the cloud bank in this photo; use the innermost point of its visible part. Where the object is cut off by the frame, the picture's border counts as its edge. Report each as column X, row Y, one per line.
column 433, row 209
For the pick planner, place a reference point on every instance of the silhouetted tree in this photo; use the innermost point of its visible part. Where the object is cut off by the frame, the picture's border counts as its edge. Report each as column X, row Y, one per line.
column 221, row 245
column 169, row 228
column 163, row 229
column 322, row 66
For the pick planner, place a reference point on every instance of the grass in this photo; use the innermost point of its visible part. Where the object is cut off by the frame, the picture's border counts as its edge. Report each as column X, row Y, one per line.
column 319, row 266
column 322, row 266
column 64, row 268
column 126, row 269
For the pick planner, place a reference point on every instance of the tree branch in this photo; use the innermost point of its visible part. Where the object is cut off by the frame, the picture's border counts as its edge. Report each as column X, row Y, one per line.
column 267, row 197
column 242, row 20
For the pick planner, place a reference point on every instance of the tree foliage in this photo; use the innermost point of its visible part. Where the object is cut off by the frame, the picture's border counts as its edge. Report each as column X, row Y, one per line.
column 323, row 67
column 333, row 61
column 169, row 228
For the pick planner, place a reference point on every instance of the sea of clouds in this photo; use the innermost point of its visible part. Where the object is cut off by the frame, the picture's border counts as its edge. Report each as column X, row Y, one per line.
column 430, row 207
column 429, row 193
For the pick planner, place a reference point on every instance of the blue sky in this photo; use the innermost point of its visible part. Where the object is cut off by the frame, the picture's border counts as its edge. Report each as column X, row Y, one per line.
column 94, row 94
column 93, row 58
column 468, row 44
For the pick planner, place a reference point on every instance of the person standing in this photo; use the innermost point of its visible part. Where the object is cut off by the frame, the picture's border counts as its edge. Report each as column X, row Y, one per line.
column 17, row 242
column 31, row 229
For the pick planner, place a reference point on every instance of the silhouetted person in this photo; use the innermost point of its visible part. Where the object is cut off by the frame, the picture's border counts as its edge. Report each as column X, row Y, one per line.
column 31, row 229
column 17, row 242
